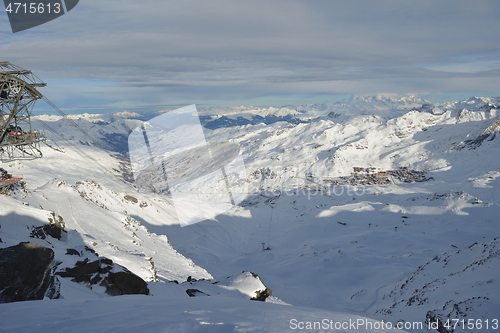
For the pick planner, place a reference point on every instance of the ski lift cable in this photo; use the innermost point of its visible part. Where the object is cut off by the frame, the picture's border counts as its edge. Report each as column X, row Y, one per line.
column 65, row 116
column 81, row 152
column 74, row 147
column 222, row 243
column 94, row 161
column 269, row 202
column 78, row 150
column 270, row 224
column 34, row 81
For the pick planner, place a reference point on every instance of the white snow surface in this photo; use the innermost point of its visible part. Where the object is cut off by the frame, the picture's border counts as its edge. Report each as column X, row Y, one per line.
column 334, row 253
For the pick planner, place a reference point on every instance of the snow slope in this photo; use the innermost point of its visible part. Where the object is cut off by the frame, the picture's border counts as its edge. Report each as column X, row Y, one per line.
column 454, row 286
column 175, row 315
column 342, row 249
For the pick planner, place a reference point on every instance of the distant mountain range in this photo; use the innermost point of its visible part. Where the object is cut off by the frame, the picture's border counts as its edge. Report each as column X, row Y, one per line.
column 382, row 106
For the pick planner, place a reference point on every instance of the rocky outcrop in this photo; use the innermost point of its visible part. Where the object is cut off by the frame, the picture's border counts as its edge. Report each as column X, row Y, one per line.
column 261, row 295
column 449, row 288
column 247, row 283
column 25, row 272
column 124, row 283
column 115, row 278
column 54, row 228
column 195, row 292
column 489, row 134
column 42, row 232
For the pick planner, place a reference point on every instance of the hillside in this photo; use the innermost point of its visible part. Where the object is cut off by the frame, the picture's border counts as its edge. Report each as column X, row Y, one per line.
column 384, row 208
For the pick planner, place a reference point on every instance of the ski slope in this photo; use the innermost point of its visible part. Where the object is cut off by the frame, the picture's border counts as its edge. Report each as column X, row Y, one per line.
column 325, row 251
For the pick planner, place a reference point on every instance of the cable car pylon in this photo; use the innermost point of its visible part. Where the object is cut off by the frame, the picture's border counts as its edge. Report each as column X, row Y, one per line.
column 18, row 140
column 18, row 94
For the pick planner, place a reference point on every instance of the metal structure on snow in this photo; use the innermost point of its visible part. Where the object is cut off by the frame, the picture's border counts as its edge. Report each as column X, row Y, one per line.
column 18, row 94
column 18, row 140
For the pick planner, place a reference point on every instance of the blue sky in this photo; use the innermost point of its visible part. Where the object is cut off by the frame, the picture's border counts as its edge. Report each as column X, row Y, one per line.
column 115, row 55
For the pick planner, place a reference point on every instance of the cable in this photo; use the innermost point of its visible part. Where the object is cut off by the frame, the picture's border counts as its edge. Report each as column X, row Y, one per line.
column 94, row 161
column 65, row 116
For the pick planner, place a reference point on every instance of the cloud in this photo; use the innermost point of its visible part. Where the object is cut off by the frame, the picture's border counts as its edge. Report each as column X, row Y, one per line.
column 160, row 53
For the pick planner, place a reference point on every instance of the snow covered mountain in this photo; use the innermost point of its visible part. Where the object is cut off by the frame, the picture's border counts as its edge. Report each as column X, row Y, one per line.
column 466, row 279
column 377, row 207
column 380, row 105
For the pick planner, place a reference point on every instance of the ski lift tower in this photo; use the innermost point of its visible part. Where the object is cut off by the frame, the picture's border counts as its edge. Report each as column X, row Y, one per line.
column 18, row 94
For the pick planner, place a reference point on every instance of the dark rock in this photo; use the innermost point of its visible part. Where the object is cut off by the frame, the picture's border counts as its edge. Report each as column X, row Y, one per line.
column 72, row 252
column 106, row 268
column 82, row 262
column 25, row 272
column 88, row 268
column 96, row 279
column 120, row 282
column 90, row 250
column 262, row 295
column 107, row 261
column 131, row 198
column 129, row 283
column 433, row 318
column 81, row 278
column 195, row 292
column 53, row 230
column 54, row 291
column 111, row 288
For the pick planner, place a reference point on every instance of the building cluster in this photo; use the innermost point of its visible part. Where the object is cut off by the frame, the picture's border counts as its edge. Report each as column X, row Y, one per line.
column 407, row 175
column 370, row 176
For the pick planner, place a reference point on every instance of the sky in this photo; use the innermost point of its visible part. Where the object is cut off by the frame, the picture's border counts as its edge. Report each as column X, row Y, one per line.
column 115, row 55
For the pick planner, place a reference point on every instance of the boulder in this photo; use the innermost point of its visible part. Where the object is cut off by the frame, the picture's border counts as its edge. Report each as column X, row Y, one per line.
column 52, row 230
column 25, row 272
column 261, row 295
column 72, row 252
column 131, row 198
column 129, row 283
column 81, row 268
column 195, row 292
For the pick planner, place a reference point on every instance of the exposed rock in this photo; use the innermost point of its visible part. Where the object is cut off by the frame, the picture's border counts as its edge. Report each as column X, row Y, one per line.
column 492, row 129
column 129, row 283
column 449, row 288
column 42, row 232
column 261, row 295
column 195, row 292
column 25, row 272
column 436, row 320
column 72, row 252
column 131, row 198
column 116, row 279
column 83, row 269
column 54, row 229
column 488, row 135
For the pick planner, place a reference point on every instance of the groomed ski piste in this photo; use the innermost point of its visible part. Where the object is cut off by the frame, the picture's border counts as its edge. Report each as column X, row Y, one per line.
column 330, row 252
